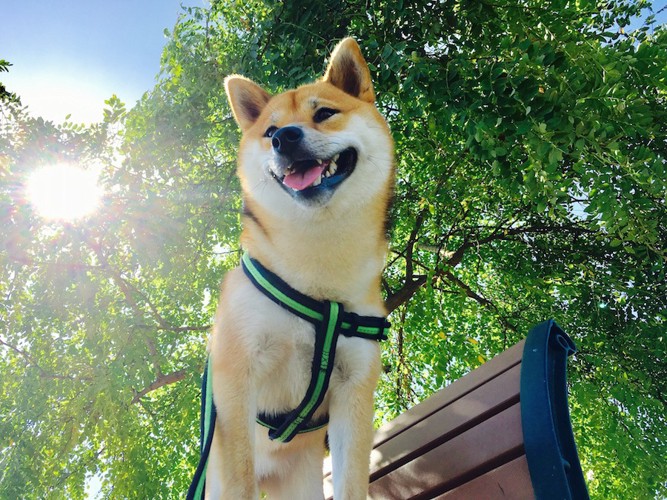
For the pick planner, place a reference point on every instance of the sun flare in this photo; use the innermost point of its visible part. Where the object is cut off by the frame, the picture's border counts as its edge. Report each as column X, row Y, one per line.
column 63, row 191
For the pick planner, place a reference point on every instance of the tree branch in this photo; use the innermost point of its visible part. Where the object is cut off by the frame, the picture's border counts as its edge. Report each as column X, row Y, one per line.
column 478, row 298
column 154, row 355
column 161, row 381
column 410, row 286
column 128, row 290
column 499, row 233
column 21, row 353
column 405, row 293
column 30, row 361
column 469, row 291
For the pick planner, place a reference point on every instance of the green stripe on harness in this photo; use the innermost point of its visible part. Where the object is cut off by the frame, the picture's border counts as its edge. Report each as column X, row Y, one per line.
column 250, row 265
column 320, row 373
column 330, row 320
column 352, row 325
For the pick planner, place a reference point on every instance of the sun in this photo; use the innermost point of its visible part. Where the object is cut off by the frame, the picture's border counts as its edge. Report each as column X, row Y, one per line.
column 63, row 191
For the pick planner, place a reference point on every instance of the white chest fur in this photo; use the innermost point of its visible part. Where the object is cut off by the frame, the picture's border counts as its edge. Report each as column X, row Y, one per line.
column 281, row 346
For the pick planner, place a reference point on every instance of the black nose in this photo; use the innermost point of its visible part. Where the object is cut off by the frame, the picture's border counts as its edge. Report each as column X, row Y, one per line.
column 285, row 140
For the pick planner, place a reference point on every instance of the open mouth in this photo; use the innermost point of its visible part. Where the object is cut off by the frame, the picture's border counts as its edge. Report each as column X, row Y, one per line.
column 309, row 177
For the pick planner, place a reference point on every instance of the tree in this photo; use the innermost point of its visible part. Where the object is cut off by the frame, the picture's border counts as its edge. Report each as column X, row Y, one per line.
column 4, row 93
column 531, row 143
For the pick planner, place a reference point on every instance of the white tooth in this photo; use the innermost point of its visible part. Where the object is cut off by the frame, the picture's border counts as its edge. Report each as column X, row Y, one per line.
column 327, row 174
column 319, row 162
column 317, row 181
column 335, row 158
column 333, row 167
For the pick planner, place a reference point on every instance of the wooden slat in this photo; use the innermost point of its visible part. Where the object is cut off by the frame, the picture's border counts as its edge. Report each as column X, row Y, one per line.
column 455, row 418
column 455, row 390
column 509, row 481
column 454, row 409
column 480, row 449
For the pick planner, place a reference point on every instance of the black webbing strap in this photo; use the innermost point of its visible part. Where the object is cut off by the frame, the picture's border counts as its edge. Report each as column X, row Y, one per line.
column 271, row 285
column 326, row 338
column 207, row 422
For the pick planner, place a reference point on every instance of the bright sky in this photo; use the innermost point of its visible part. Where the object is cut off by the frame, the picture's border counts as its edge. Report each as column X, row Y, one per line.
column 68, row 56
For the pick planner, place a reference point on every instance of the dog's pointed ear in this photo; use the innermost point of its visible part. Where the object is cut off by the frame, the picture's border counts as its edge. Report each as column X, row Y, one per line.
column 348, row 71
column 246, row 98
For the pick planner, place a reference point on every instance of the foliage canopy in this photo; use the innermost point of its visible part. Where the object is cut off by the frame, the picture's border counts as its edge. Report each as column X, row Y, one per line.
column 532, row 146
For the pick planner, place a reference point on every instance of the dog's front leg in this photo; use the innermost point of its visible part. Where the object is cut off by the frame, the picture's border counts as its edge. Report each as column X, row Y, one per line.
column 231, row 469
column 351, row 423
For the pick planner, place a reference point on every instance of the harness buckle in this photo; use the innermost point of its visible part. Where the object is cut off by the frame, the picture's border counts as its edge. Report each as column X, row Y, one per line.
column 353, row 320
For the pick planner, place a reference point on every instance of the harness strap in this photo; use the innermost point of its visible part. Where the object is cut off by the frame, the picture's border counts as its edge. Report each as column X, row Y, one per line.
column 207, row 422
column 322, row 366
column 273, row 421
column 330, row 319
column 352, row 324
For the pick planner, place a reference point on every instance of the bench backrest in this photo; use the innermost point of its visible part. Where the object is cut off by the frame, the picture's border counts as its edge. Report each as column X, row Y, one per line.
column 501, row 431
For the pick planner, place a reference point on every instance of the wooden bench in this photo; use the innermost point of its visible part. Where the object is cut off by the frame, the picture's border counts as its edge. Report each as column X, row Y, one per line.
column 501, row 431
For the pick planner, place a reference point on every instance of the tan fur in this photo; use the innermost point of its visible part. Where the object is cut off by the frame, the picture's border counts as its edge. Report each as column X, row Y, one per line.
column 334, row 250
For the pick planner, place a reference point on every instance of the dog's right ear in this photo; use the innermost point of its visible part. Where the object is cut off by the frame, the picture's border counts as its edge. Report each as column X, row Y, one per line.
column 348, row 71
column 246, row 98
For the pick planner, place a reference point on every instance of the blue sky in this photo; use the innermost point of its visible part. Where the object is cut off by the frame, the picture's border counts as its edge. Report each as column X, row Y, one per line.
column 69, row 56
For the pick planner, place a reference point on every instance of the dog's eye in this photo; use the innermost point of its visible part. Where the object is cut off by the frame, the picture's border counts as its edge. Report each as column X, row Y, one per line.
column 270, row 131
column 323, row 114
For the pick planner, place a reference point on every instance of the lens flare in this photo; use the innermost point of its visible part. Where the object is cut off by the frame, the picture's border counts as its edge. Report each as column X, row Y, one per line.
column 63, row 192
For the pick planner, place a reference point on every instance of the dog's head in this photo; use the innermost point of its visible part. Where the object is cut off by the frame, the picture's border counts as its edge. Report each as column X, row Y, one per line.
column 321, row 145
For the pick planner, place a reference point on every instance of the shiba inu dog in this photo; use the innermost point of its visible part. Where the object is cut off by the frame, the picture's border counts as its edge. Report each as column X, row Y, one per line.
column 317, row 169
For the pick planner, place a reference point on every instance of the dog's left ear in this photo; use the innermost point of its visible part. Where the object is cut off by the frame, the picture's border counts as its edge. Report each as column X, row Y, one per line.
column 348, row 71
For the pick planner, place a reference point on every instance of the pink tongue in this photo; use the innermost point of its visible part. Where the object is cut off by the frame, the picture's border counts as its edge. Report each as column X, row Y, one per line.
column 301, row 180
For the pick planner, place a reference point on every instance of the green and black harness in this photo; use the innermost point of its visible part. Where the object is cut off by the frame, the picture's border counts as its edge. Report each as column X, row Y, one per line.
column 330, row 320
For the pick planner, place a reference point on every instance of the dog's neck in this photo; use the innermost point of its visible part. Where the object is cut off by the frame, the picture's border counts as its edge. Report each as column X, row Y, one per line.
column 328, row 259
